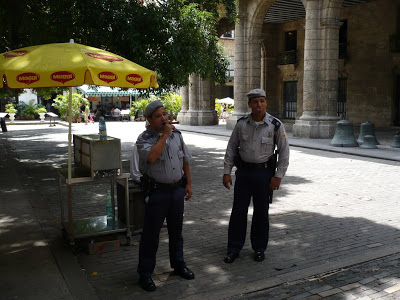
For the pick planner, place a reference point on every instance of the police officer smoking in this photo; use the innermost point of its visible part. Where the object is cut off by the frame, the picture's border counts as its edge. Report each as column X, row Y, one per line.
column 164, row 163
column 251, row 149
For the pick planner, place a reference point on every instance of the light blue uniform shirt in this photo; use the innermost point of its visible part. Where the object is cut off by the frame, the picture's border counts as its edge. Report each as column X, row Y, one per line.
column 256, row 144
column 168, row 168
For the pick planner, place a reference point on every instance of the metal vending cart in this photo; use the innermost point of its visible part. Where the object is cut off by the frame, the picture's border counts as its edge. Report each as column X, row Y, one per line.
column 95, row 160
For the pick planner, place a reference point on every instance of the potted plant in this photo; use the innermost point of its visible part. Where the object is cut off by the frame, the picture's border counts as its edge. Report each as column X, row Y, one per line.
column 41, row 111
column 76, row 115
column 10, row 109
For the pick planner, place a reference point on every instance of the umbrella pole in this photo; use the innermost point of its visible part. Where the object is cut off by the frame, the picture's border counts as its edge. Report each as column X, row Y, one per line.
column 70, row 137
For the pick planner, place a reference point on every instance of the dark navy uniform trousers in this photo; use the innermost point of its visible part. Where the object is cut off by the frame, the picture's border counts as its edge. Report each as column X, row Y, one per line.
column 250, row 183
column 163, row 204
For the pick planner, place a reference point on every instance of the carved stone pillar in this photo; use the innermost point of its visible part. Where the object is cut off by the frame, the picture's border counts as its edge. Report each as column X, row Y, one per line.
column 193, row 111
column 321, row 51
column 182, row 115
column 240, row 65
column 207, row 114
column 200, row 109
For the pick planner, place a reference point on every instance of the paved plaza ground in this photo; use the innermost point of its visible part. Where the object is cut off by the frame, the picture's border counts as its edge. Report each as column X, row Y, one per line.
column 335, row 223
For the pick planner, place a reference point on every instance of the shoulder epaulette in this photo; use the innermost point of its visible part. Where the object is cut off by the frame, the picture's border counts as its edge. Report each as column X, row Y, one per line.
column 242, row 118
column 177, row 131
column 276, row 123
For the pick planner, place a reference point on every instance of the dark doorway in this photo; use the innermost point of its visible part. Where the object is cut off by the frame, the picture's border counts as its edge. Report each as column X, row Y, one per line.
column 291, row 40
column 289, row 100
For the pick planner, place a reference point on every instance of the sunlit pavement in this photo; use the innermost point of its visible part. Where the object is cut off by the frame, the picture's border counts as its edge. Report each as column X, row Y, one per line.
column 335, row 223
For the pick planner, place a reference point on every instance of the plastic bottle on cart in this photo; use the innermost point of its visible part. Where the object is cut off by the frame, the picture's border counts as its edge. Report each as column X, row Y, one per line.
column 109, row 206
column 102, row 129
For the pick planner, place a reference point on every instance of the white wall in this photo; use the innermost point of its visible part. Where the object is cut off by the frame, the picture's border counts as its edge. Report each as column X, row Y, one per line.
column 27, row 96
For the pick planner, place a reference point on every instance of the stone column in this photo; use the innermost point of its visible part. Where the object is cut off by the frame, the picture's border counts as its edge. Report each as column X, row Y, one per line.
column 240, row 84
column 263, row 69
column 321, row 51
column 199, row 108
column 182, row 115
column 207, row 114
column 193, row 111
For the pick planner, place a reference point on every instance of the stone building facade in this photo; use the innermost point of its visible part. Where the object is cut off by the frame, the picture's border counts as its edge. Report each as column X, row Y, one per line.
column 333, row 59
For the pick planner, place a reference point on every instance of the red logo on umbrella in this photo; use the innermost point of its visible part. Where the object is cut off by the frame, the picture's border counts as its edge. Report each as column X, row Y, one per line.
column 134, row 78
column 106, row 57
column 28, row 78
column 15, row 53
column 62, row 76
column 107, row 76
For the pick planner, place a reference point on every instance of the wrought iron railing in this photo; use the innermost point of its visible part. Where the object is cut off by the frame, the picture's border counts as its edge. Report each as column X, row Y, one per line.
column 290, row 110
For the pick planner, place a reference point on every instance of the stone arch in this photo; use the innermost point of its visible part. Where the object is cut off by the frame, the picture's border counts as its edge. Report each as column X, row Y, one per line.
column 224, row 25
column 256, row 18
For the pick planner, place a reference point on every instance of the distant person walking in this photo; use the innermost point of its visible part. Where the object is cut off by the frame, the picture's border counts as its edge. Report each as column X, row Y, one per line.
column 224, row 114
column 86, row 113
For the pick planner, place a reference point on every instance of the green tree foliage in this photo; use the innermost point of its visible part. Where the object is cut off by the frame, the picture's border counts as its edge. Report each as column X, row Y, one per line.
column 61, row 104
column 46, row 93
column 175, row 38
column 172, row 103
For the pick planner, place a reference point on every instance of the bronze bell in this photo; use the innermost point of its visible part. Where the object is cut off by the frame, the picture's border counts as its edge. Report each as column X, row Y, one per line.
column 367, row 128
column 396, row 141
column 369, row 142
column 344, row 135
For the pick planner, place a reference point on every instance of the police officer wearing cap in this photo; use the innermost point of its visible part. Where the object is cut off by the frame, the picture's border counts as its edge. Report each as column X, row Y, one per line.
column 250, row 148
column 164, row 162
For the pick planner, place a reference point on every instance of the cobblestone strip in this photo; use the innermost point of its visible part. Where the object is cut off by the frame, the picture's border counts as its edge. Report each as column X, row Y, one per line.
column 329, row 212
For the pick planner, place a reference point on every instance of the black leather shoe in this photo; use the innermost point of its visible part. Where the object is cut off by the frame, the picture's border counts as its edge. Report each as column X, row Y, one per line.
column 147, row 284
column 184, row 273
column 230, row 257
column 259, row 256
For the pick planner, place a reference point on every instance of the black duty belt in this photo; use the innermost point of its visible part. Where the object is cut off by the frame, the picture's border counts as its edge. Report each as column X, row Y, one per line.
column 168, row 186
column 247, row 165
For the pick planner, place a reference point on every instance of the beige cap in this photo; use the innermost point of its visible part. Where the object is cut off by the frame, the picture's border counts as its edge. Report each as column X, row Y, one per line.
column 256, row 93
column 151, row 107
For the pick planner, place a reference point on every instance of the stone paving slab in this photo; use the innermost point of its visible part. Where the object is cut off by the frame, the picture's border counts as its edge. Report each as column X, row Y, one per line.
column 26, row 258
column 334, row 210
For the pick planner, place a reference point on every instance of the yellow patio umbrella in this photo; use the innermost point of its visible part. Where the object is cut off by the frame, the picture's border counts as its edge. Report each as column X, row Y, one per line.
column 70, row 65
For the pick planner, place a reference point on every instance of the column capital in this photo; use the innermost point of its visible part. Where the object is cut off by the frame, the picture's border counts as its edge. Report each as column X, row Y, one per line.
column 331, row 23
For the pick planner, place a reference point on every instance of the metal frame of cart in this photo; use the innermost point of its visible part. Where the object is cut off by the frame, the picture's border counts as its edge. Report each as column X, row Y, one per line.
column 92, row 226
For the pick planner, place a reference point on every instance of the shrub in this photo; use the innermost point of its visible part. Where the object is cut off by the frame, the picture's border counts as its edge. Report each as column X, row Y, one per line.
column 134, row 109
column 172, row 103
column 61, row 103
column 142, row 104
column 27, row 110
